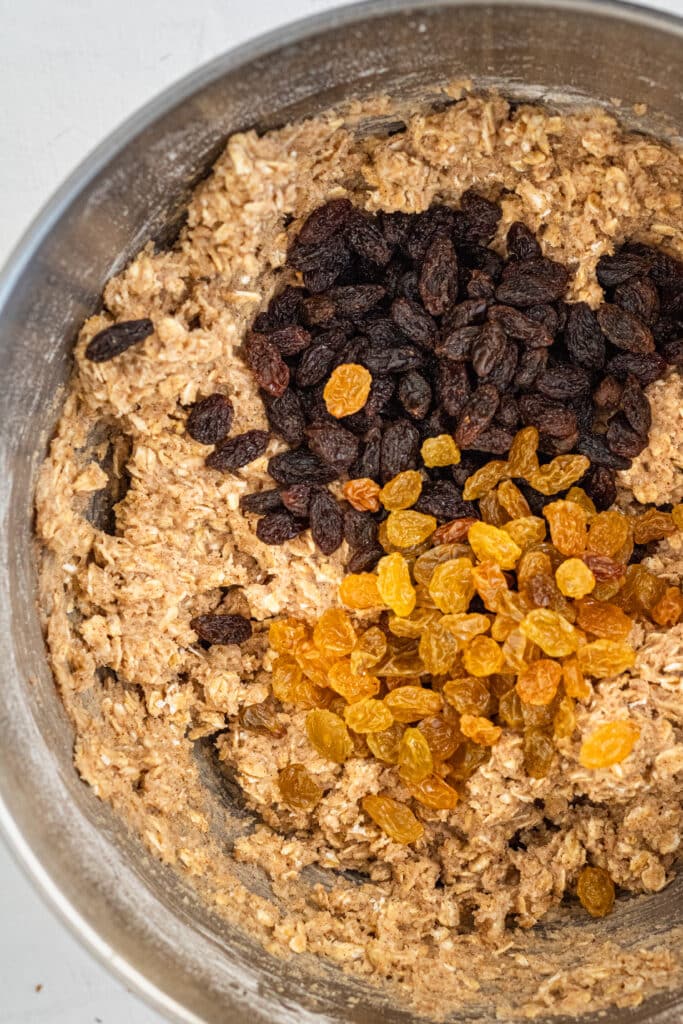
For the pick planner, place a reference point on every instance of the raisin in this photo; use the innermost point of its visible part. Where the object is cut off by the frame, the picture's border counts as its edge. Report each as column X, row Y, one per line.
column 433, row 792
column 238, row 451
column 328, row 734
column 414, row 322
column 653, row 525
column 415, row 760
column 368, row 462
column 415, row 394
column 315, row 364
column 625, row 330
column 335, row 445
column 285, row 416
column 553, row 634
column 481, row 216
column 476, row 415
column 522, row 328
column 114, row 340
column 451, row 587
column 326, row 521
column 407, row 529
column 611, row 743
column 483, row 657
column 548, row 417
column 607, row 395
column 210, row 420
column 479, row 729
column 402, row 491
column 395, row 819
column 381, row 360
column 453, row 387
column 265, row 362
column 672, row 351
column 279, row 527
column 507, row 415
column 603, row 619
column 298, row 789
column 457, row 344
column 290, row 340
column 521, row 244
column 595, row 890
column 539, row 751
column 531, row 362
column 575, row 579
column 367, row 240
column 399, row 449
column 363, row 494
column 394, row 584
column 297, row 499
column 636, row 407
column 222, row 629
column 438, row 282
column 639, row 296
column 622, row 439
column 368, row 716
column 503, row 373
column 262, row 718
column 563, row 382
column 465, row 314
column 488, row 349
column 440, row 451
column 360, row 591
column 283, row 309
column 614, row 270
column 300, row 467
column 595, row 449
column 604, row 657
column 530, row 281
column 442, row 499
column 437, row 220
column 261, row 502
column 647, row 367
column 325, row 221
column 537, row 684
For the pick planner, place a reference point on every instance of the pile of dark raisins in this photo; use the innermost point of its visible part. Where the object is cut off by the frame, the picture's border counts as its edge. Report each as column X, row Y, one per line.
column 457, row 340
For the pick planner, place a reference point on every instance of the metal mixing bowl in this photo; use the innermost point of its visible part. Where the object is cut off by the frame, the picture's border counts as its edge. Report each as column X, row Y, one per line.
column 136, row 915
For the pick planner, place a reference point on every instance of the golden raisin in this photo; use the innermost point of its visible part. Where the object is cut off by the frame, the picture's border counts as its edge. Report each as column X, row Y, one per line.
column 677, row 516
column 297, row 788
column 512, row 500
column 480, row 730
column 368, row 715
column 578, row 495
column 533, row 563
column 523, row 458
column 603, row 658
column 362, row 494
column 262, row 718
column 537, row 684
column 640, row 591
column 608, row 532
column 567, row 522
column 603, row 619
column 369, row 649
column 406, row 529
column 468, row 757
column 469, row 696
column 510, row 710
column 653, row 525
column 518, row 650
column 415, row 760
column 426, row 563
column 411, row 703
column 574, row 578
column 313, row 663
column 360, row 591
column 483, row 656
column 333, row 633
column 668, row 610
column 527, row 531
column 395, row 819
column 491, row 511
column 284, row 635
column 412, row 626
column 492, row 544
column 502, row 626
column 352, row 687
column 451, row 586
column 347, row 389
column 442, row 736
column 402, row 491
column 384, row 745
column 463, row 625
column 559, row 474
column 440, row 451
column 575, row 683
column 489, row 583
column 290, row 686
column 551, row 632
column 611, row 743
column 433, row 792
column 394, row 584
column 564, row 722
column 437, row 649
column 484, row 479
column 595, row 890
column 539, row 751
column 329, row 735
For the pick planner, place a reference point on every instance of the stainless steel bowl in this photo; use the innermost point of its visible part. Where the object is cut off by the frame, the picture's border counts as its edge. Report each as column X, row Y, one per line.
column 131, row 912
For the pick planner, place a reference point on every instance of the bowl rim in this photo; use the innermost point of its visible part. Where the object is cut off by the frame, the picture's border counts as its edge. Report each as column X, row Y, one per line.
column 69, row 915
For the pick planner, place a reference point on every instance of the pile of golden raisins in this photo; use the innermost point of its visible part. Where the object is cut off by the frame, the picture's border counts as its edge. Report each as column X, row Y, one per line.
column 471, row 628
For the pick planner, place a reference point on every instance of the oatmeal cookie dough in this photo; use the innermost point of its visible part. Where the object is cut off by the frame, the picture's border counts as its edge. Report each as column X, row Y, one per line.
column 151, row 708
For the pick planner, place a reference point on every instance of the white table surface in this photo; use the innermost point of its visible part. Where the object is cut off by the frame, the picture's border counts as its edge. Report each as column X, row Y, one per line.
column 69, row 73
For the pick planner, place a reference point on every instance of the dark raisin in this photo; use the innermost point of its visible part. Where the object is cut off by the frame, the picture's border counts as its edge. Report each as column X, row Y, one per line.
column 482, row 216
column 325, row 220
column 613, row 270
column 547, row 316
column 265, row 362
column 350, row 301
column 622, row 439
column 315, row 365
column 367, row 240
column 594, row 448
column 283, row 309
column 382, row 331
column 297, row 499
column 532, row 361
column 549, row 417
column 470, row 311
column 535, row 500
column 438, row 422
column 607, row 395
column 279, row 527
column 583, row 338
column 636, row 407
column 291, row 339
column 333, row 444
column 300, row 467
column 365, row 559
column 671, row 301
column 662, row 268
column 443, row 499
column 330, row 254
column 457, row 344
column 673, row 351
column 396, row 228
column 522, row 328
column 647, row 368
column 285, row 416
column 478, row 412
column 488, row 349
column 360, row 529
column 603, row 567
column 521, row 243
column 414, row 322
column 381, row 392
column 477, row 257
column 400, row 447
column 495, row 440
column 409, row 287
column 238, row 451
column 528, row 282
column 415, row 394
column 625, row 330
column 368, row 461
column 438, row 283
column 639, row 296
column 469, row 464
column 508, row 414
column 381, row 361
column 503, row 373
column 563, row 381
column 326, row 521
column 557, row 445
column 480, row 285
column 210, row 420
column 114, row 340
column 314, row 406
column 261, row 502
column 453, row 386
column 222, row 629
column 437, row 220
